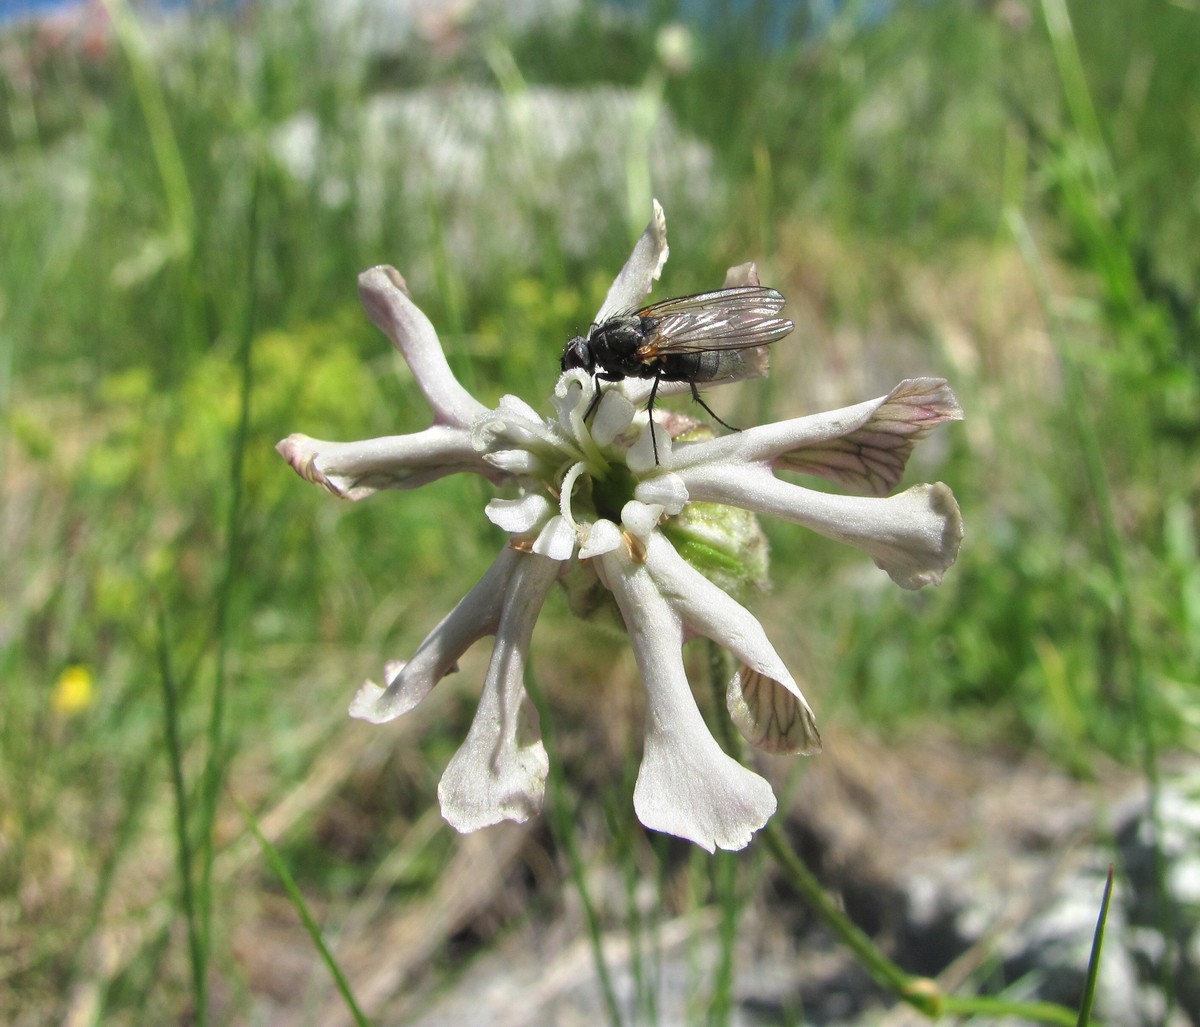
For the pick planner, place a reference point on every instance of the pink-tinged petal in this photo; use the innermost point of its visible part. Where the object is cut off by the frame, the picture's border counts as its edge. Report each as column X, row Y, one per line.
column 741, row 275
column 385, row 297
column 756, row 362
column 355, row 470
column 871, row 458
column 477, row 614
column 862, row 447
column 499, row 773
column 707, row 610
column 769, row 714
column 642, row 269
column 914, row 536
column 687, row 785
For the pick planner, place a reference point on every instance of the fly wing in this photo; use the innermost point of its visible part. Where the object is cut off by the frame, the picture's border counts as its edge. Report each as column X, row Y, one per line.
column 727, row 319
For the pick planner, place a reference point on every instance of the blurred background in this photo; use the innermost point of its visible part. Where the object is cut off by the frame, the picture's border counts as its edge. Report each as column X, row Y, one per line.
column 1003, row 193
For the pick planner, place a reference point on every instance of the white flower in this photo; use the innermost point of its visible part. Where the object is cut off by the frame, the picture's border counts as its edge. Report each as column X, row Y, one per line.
column 590, row 499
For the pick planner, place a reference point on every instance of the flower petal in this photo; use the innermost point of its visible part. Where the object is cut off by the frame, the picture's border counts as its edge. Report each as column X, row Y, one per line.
column 499, row 773
column 871, row 458
column 556, row 540
column 862, row 447
column 741, row 275
column 770, row 715
column 665, row 490
column 709, row 611
column 519, row 516
column 687, row 786
column 640, row 519
column 355, row 470
column 639, row 458
column 476, row 615
column 614, row 414
column 914, row 536
column 641, row 270
column 602, row 537
column 384, row 295
column 516, row 463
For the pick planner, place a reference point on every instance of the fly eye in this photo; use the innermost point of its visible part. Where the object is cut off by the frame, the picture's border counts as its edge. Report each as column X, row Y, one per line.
column 575, row 355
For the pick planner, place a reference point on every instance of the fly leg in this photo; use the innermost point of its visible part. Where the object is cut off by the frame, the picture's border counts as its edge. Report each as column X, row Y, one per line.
column 596, row 380
column 650, row 414
column 712, row 413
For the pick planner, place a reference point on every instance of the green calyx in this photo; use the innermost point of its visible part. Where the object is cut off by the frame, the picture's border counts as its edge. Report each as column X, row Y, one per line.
column 723, row 543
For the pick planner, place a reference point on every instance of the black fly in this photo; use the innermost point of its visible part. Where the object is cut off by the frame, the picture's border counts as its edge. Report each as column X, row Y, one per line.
column 701, row 338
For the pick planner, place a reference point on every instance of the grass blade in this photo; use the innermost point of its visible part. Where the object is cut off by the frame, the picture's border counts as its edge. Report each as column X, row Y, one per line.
column 310, row 925
column 1093, row 973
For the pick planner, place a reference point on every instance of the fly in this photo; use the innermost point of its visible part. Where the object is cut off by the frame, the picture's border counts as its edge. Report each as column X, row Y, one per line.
column 702, row 338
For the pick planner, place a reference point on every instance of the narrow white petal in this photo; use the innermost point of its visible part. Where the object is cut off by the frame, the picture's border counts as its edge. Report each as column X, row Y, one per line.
column 517, row 463
column 519, row 408
column 355, row 470
column 499, row 773
column 641, row 270
column 709, row 611
column 384, row 295
column 499, row 430
column 519, row 516
column 914, row 536
column 476, row 615
column 687, row 785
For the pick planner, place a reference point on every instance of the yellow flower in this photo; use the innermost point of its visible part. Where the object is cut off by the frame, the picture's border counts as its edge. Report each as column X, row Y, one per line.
column 74, row 691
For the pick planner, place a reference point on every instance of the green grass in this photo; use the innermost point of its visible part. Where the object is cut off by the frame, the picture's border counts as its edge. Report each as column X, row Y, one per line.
column 1009, row 204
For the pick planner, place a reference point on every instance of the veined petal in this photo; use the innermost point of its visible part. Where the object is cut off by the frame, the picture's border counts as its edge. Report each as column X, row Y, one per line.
column 641, row 270
column 476, row 615
column 499, row 773
column 772, row 715
column 862, row 447
column 384, row 295
column 914, row 536
column 871, row 457
column 687, row 786
column 355, row 470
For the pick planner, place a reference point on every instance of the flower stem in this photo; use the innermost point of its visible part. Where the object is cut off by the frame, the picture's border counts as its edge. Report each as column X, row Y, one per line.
column 922, row 993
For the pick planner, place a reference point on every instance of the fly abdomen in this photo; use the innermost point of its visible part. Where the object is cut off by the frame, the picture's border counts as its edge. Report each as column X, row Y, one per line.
column 701, row 366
